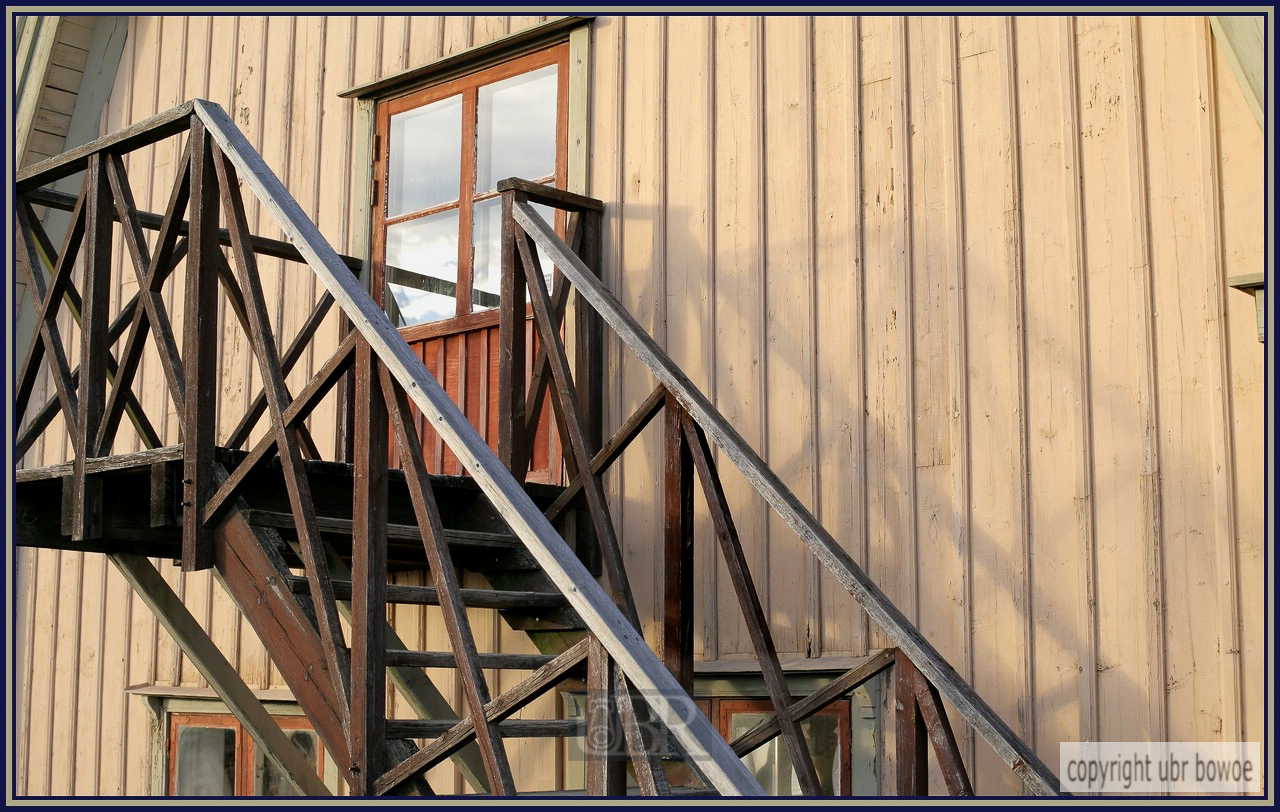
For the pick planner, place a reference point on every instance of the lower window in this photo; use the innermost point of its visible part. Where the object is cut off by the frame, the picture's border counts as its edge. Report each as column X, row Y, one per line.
column 212, row 754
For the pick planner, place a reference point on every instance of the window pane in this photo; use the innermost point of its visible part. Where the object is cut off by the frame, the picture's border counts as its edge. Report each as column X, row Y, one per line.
column 771, row 763
column 422, row 268
column 516, row 128
column 206, row 761
column 426, row 156
column 487, row 238
column 270, row 780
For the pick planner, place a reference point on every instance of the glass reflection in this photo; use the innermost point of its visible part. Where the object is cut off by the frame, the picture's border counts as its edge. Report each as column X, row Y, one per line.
column 516, row 128
column 271, row 782
column 422, row 268
column 487, row 239
column 426, row 156
column 206, row 761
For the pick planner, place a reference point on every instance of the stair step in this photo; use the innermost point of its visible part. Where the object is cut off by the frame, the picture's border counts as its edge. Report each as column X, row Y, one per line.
column 429, row 596
column 445, row 659
column 475, row 549
column 511, row 729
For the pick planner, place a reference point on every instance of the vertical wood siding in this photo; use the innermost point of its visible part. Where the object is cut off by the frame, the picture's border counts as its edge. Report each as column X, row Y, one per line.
column 960, row 280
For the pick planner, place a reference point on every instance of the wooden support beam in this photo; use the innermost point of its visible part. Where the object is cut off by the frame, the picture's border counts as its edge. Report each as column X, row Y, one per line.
column 673, row 706
column 677, row 557
column 199, row 354
column 985, row 721
column 752, row 610
column 265, row 246
column 222, row 676
column 86, row 510
column 606, row 771
column 934, row 716
column 367, row 732
column 513, row 440
column 910, row 735
column 588, row 359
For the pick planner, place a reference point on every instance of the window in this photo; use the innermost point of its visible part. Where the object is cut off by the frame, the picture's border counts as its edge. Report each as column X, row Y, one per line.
column 828, row 735
column 441, row 152
column 211, row 754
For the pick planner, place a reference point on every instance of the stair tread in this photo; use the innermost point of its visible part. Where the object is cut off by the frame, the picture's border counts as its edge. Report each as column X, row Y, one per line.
column 511, row 728
column 397, row 532
column 517, row 600
column 446, row 659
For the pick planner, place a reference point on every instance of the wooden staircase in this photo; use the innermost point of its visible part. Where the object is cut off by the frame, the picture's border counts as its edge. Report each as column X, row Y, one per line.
column 308, row 547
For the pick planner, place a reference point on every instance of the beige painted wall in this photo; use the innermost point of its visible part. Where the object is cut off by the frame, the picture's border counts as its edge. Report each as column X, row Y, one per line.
column 961, row 281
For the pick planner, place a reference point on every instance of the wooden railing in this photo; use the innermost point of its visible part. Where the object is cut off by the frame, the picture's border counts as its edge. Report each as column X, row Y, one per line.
column 631, row 689
column 693, row 426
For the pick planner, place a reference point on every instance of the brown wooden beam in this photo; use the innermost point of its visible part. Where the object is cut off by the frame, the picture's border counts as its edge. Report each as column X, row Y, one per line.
column 606, row 771
column 367, row 732
column 513, row 440
column 911, row 738
column 934, row 716
column 86, row 511
column 198, row 408
column 677, row 555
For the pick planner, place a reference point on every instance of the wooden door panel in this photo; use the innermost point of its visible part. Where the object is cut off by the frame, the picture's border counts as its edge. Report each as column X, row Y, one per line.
column 465, row 362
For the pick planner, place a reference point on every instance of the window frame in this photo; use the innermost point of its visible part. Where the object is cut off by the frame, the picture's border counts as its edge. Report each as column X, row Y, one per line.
column 215, row 715
column 467, row 85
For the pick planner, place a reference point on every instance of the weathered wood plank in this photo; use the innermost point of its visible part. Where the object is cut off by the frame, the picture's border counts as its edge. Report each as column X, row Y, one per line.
column 618, row 443
column 222, row 676
column 199, row 354
column 367, row 732
column 674, row 707
column 513, row 440
column 430, row 596
column 550, row 196
column 678, row 550
column 566, row 394
column 265, row 246
column 953, row 687
column 515, row 729
column 145, row 132
column 934, row 718
column 100, row 465
column 910, row 734
column 446, row 659
column 605, row 772
column 86, row 510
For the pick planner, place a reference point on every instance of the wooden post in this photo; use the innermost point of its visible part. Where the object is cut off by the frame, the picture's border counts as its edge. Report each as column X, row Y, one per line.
column 912, row 738
column 367, row 731
column 677, row 610
column 606, row 771
column 199, row 353
column 589, row 369
column 513, row 440
column 86, row 516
